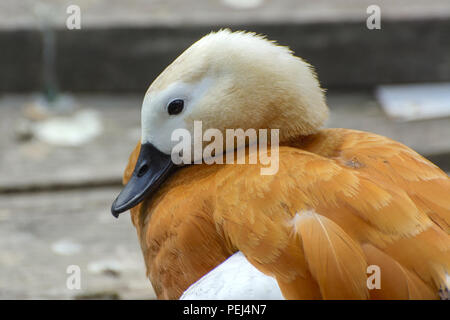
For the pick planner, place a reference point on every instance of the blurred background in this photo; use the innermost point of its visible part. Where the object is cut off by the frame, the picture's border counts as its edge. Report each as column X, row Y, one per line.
column 71, row 88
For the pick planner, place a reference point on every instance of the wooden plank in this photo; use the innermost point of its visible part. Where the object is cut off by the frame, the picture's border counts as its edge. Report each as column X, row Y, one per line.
column 41, row 234
column 29, row 165
column 35, row 165
column 361, row 111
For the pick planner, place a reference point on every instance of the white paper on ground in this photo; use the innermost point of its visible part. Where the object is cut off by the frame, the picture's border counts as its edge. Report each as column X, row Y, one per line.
column 415, row 101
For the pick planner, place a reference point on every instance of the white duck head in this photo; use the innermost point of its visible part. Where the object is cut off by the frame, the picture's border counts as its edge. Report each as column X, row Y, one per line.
column 225, row 80
column 233, row 80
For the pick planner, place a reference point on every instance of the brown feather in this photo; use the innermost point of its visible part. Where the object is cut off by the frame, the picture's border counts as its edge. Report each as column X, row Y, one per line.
column 336, row 261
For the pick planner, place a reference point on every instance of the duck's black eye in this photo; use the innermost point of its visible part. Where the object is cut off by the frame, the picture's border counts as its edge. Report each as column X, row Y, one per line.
column 175, row 107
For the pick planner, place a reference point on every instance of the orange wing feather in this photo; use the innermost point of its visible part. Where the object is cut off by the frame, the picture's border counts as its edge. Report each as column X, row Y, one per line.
column 362, row 199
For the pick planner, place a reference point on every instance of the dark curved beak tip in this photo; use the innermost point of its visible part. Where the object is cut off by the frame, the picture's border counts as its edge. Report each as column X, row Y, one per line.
column 115, row 210
column 115, row 214
column 152, row 168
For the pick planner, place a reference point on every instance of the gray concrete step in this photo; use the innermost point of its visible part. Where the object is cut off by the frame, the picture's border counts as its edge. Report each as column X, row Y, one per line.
column 123, row 46
column 179, row 13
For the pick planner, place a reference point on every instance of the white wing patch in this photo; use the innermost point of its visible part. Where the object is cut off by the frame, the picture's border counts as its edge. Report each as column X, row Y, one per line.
column 234, row 279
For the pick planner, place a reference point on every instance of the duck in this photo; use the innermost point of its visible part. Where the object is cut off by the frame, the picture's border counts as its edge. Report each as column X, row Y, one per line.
column 341, row 203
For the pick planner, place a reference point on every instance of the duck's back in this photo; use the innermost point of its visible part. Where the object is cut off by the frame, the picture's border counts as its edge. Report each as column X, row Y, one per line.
column 341, row 201
column 391, row 162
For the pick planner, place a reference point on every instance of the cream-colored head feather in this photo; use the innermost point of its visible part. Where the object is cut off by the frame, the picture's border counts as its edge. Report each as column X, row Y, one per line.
column 235, row 80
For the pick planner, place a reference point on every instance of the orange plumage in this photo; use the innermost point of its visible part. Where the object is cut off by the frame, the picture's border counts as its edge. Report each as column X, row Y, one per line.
column 340, row 201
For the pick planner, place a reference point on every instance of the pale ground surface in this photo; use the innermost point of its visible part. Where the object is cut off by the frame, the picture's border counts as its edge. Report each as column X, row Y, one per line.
column 44, row 233
column 69, row 223
column 26, row 13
